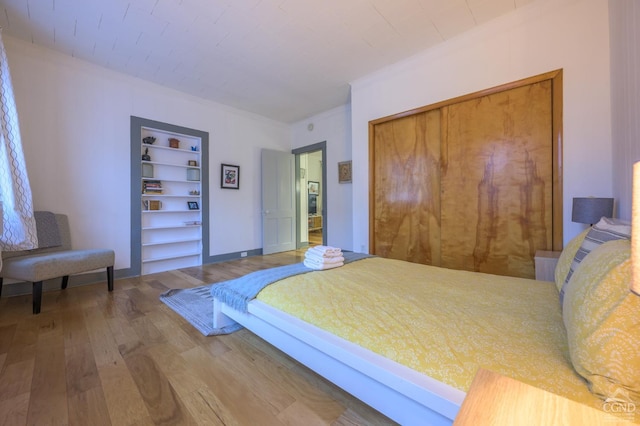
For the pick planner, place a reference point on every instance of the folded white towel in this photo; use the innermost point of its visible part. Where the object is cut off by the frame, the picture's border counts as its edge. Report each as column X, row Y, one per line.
column 326, row 251
column 320, row 266
column 317, row 258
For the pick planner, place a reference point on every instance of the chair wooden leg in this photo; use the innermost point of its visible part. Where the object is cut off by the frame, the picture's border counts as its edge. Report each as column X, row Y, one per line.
column 65, row 281
column 0, row 286
column 110, row 277
column 37, row 296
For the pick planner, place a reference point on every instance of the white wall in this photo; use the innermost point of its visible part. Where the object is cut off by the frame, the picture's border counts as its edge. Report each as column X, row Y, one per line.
column 625, row 98
column 541, row 37
column 334, row 127
column 75, row 120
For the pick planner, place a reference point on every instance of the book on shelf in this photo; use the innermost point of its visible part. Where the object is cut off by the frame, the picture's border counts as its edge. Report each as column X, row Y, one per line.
column 151, row 187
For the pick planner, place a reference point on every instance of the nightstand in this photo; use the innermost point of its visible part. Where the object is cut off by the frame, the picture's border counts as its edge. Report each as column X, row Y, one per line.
column 494, row 399
column 546, row 262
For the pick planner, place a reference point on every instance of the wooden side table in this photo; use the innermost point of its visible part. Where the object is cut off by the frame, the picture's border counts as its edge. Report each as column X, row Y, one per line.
column 546, row 262
column 494, row 399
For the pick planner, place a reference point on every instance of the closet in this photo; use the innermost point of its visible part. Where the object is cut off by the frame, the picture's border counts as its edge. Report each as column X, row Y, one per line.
column 471, row 183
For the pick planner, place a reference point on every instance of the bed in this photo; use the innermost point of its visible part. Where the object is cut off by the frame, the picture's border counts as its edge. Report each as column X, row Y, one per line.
column 407, row 339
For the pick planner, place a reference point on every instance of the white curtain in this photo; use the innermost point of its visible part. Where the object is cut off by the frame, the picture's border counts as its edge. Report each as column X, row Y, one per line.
column 18, row 224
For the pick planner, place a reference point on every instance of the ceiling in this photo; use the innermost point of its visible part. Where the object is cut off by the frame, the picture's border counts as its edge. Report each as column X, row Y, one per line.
column 282, row 59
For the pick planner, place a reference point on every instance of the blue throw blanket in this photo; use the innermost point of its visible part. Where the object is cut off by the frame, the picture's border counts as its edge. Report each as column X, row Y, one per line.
column 237, row 293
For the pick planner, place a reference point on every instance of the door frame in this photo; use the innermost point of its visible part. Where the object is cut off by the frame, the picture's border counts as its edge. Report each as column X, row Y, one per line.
column 320, row 146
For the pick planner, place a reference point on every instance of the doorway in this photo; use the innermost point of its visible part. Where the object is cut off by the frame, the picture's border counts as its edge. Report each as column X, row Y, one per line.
column 311, row 194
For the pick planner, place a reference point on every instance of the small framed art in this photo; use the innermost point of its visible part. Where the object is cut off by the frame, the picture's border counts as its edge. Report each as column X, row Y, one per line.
column 314, row 187
column 193, row 205
column 344, row 172
column 230, row 176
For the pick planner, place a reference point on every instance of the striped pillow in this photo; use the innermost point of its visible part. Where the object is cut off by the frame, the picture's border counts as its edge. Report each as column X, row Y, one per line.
column 603, row 231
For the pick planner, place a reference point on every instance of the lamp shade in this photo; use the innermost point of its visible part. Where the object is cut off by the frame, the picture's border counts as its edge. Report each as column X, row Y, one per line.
column 635, row 230
column 591, row 209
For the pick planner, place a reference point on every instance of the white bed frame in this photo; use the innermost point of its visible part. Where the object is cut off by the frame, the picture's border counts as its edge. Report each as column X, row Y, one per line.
column 400, row 393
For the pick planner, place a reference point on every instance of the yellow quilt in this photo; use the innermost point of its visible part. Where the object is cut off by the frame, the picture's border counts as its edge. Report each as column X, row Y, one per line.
column 441, row 322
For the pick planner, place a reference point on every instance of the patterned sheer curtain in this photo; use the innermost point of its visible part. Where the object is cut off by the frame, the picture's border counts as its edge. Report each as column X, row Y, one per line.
column 16, row 205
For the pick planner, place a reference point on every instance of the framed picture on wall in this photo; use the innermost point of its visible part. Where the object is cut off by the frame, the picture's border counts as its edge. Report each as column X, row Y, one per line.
column 314, row 187
column 230, row 177
column 344, row 172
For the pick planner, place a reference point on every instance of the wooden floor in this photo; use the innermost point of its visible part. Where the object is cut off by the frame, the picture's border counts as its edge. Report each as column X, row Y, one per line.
column 124, row 358
column 315, row 238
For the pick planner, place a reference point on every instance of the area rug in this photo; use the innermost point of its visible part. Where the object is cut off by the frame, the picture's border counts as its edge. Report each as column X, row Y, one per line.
column 196, row 306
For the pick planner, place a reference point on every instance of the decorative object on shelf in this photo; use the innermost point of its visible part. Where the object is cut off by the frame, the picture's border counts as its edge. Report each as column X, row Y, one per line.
column 174, row 143
column 344, row 172
column 193, row 205
column 152, row 204
column 152, row 187
column 193, row 163
column 149, row 140
column 193, row 174
column 146, row 156
column 192, row 222
column 194, row 192
column 194, row 148
column 591, row 209
column 314, row 187
column 230, row 176
column 147, row 170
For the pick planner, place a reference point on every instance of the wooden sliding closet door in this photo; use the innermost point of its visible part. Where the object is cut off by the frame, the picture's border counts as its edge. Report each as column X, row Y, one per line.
column 472, row 183
column 407, row 182
column 497, row 180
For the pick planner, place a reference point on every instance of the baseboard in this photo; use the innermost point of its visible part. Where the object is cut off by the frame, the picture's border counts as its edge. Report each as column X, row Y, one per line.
column 232, row 256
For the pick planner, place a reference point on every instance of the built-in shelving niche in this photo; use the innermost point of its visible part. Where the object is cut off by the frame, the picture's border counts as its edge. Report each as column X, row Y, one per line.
column 169, row 196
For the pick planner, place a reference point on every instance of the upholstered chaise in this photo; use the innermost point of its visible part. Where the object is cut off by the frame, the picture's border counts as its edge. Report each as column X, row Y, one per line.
column 57, row 260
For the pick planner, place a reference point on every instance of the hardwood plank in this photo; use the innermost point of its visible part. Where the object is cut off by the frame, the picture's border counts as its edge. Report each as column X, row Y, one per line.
column 283, row 386
column 121, row 394
column 203, row 406
column 171, row 331
column 14, row 410
column 89, row 408
column 81, row 370
column 161, row 399
column 236, row 398
column 105, row 348
column 6, row 337
column 296, row 411
column 74, row 330
column 23, row 345
column 15, row 379
column 147, row 332
column 48, row 402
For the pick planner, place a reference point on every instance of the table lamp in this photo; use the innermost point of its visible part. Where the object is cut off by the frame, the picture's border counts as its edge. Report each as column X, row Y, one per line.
column 591, row 209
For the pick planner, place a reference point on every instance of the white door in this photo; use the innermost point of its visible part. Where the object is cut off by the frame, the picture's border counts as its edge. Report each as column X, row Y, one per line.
column 278, row 202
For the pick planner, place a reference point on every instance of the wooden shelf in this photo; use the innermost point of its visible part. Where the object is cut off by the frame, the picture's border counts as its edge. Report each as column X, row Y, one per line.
column 184, row 166
column 151, row 228
column 163, row 258
column 161, row 243
column 169, row 196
